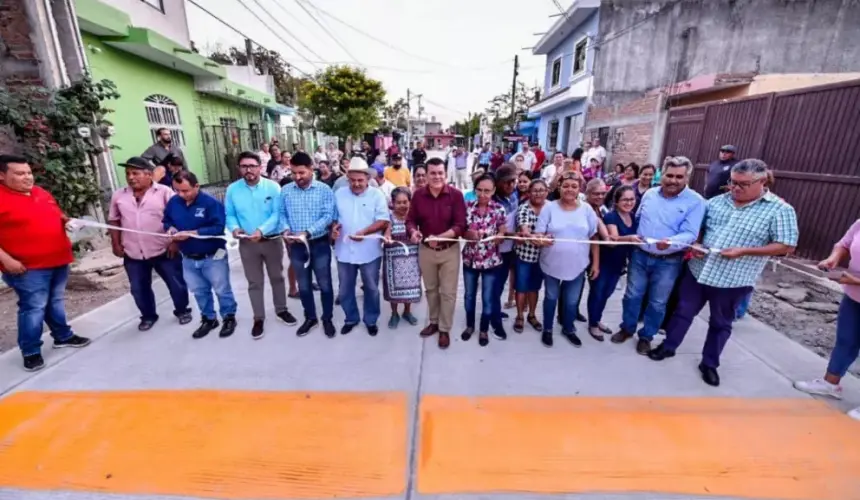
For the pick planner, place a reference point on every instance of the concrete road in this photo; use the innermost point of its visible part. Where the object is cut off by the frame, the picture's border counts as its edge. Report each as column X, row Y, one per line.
column 159, row 415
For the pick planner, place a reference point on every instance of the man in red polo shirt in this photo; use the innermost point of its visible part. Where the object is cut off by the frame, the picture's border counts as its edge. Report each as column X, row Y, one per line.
column 35, row 254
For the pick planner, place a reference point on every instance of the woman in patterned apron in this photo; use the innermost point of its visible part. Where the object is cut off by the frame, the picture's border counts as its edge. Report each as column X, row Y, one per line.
column 401, row 278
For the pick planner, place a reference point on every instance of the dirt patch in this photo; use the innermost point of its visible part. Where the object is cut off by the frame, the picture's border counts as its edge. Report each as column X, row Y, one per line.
column 802, row 308
column 77, row 302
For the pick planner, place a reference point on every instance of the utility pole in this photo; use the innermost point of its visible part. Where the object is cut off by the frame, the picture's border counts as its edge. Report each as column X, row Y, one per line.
column 514, row 90
column 408, row 120
column 420, row 108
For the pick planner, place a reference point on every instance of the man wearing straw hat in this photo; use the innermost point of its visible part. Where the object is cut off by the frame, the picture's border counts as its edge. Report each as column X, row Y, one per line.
column 360, row 212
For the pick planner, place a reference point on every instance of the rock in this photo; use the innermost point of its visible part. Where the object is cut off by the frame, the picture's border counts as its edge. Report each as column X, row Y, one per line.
column 824, row 307
column 96, row 262
column 784, row 285
column 792, row 295
column 831, row 318
column 771, row 289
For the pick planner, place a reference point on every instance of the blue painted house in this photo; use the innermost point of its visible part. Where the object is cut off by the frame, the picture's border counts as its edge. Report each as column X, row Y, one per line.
column 568, row 46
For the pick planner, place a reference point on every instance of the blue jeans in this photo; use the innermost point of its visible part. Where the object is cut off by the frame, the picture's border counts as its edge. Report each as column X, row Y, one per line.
column 504, row 271
column 490, row 306
column 656, row 276
column 209, row 275
column 599, row 293
column 528, row 276
column 320, row 267
column 847, row 338
column 743, row 306
column 370, row 281
column 569, row 291
column 40, row 300
column 140, row 278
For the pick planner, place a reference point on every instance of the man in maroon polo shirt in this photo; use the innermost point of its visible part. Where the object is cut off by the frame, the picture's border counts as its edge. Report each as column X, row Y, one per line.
column 438, row 210
column 35, row 254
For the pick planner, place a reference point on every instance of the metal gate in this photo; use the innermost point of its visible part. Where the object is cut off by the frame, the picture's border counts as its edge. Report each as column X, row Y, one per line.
column 221, row 147
column 809, row 137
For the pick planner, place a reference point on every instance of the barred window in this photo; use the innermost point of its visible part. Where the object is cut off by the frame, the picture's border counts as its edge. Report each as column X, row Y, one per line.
column 162, row 112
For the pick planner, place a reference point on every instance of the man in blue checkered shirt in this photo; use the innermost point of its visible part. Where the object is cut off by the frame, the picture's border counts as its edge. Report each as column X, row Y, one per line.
column 742, row 229
column 307, row 210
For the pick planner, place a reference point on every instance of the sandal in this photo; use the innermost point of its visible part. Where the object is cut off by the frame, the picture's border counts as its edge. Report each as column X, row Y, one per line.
column 518, row 324
column 483, row 339
column 535, row 323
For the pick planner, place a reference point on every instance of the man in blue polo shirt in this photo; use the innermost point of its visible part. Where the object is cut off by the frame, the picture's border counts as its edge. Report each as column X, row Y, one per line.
column 191, row 217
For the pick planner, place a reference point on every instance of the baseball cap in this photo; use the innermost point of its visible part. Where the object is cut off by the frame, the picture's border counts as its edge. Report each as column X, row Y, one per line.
column 728, row 148
column 397, row 156
column 138, row 163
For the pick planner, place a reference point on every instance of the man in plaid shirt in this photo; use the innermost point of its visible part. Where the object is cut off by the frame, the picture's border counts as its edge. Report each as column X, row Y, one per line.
column 742, row 229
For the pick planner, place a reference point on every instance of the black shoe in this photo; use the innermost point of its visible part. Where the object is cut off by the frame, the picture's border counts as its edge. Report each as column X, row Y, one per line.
column 206, row 326
column 643, row 346
column 660, row 353
column 505, row 315
column 257, row 330
column 329, row 329
column 710, row 375
column 345, row 329
column 73, row 341
column 315, row 287
column 572, row 338
column 500, row 333
column 34, row 362
column 467, row 334
column 337, row 301
column 306, row 327
column 184, row 318
column 546, row 339
column 483, row 339
column 146, row 325
column 581, row 318
column 287, row 318
column 372, row 330
column 228, row 328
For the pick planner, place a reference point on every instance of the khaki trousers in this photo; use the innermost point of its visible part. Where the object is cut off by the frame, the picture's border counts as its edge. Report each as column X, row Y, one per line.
column 441, row 274
column 268, row 253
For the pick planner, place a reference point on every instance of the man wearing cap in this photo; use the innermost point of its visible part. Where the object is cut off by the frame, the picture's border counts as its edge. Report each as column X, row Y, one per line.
column 397, row 174
column 251, row 204
column 306, row 211
column 140, row 207
column 35, row 254
column 360, row 211
column 194, row 213
column 719, row 172
column 438, row 210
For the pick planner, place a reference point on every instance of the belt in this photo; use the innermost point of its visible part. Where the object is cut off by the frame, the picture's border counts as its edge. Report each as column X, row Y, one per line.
column 663, row 257
column 198, row 256
column 439, row 246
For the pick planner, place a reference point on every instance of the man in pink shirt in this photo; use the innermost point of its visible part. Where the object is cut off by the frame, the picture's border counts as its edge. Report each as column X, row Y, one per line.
column 140, row 207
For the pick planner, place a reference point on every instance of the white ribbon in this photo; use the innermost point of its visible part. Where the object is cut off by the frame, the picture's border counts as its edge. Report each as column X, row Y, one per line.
column 648, row 241
column 377, row 236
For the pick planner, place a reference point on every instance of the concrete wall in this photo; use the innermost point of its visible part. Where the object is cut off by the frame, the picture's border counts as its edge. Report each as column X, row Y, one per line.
column 172, row 22
column 699, row 37
column 763, row 84
column 565, row 51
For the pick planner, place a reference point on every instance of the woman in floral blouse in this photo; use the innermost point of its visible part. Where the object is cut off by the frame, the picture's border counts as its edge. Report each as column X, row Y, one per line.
column 529, row 277
column 481, row 258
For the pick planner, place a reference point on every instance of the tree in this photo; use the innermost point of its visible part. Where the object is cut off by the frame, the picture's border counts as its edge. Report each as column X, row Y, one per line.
column 394, row 116
column 343, row 101
column 265, row 62
column 468, row 128
column 499, row 111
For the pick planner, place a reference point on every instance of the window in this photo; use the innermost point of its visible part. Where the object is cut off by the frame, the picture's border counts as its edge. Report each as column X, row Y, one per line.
column 162, row 112
column 579, row 54
column 552, row 135
column 556, row 73
column 155, row 4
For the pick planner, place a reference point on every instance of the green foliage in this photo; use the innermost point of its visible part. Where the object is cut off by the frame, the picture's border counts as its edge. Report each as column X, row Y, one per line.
column 265, row 61
column 499, row 110
column 394, row 116
column 46, row 123
column 468, row 128
column 343, row 101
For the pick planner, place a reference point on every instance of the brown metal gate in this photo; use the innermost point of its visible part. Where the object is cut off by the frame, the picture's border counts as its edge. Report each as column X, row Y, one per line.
column 809, row 137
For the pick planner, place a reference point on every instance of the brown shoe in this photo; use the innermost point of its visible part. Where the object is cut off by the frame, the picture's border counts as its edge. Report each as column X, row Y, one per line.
column 444, row 340
column 621, row 337
column 430, row 330
column 643, row 347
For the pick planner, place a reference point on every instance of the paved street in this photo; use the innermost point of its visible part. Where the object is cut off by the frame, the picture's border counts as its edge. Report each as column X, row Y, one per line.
column 158, row 415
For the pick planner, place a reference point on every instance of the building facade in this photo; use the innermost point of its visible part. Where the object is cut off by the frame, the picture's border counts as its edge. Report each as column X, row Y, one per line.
column 568, row 45
column 661, row 54
column 213, row 111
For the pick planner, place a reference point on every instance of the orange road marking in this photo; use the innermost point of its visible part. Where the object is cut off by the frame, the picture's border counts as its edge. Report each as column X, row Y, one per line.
column 787, row 448
column 206, row 443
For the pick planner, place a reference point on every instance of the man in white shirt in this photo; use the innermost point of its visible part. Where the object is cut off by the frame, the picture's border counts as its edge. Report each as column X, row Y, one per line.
column 550, row 170
column 359, row 211
column 529, row 157
column 597, row 151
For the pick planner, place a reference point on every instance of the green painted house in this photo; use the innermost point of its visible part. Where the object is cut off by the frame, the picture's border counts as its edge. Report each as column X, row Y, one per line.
column 214, row 111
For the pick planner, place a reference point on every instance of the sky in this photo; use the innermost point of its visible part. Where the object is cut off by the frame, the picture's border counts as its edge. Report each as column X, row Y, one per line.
column 457, row 53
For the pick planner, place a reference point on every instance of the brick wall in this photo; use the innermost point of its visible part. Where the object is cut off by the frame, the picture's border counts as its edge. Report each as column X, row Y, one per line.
column 631, row 143
column 625, row 142
column 19, row 64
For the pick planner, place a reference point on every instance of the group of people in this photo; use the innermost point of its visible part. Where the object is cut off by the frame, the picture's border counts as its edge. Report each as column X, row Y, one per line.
column 552, row 233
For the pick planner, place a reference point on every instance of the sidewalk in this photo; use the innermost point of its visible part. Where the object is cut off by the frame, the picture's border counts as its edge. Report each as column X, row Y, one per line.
column 160, row 415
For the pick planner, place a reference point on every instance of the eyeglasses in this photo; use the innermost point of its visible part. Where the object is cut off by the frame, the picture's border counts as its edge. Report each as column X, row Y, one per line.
column 248, row 165
column 743, row 184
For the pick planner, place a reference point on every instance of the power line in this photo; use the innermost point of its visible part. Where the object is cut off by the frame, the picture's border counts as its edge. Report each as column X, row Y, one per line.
column 282, row 27
column 301, row 3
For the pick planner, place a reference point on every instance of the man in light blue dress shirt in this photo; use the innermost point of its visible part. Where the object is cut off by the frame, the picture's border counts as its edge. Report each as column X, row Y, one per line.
column 360, row 211
column 251, row 204
column 307, row 211
column 671, row 214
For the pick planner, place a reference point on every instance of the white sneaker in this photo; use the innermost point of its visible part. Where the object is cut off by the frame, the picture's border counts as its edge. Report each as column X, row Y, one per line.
column 855, row 413
column 819, row 386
